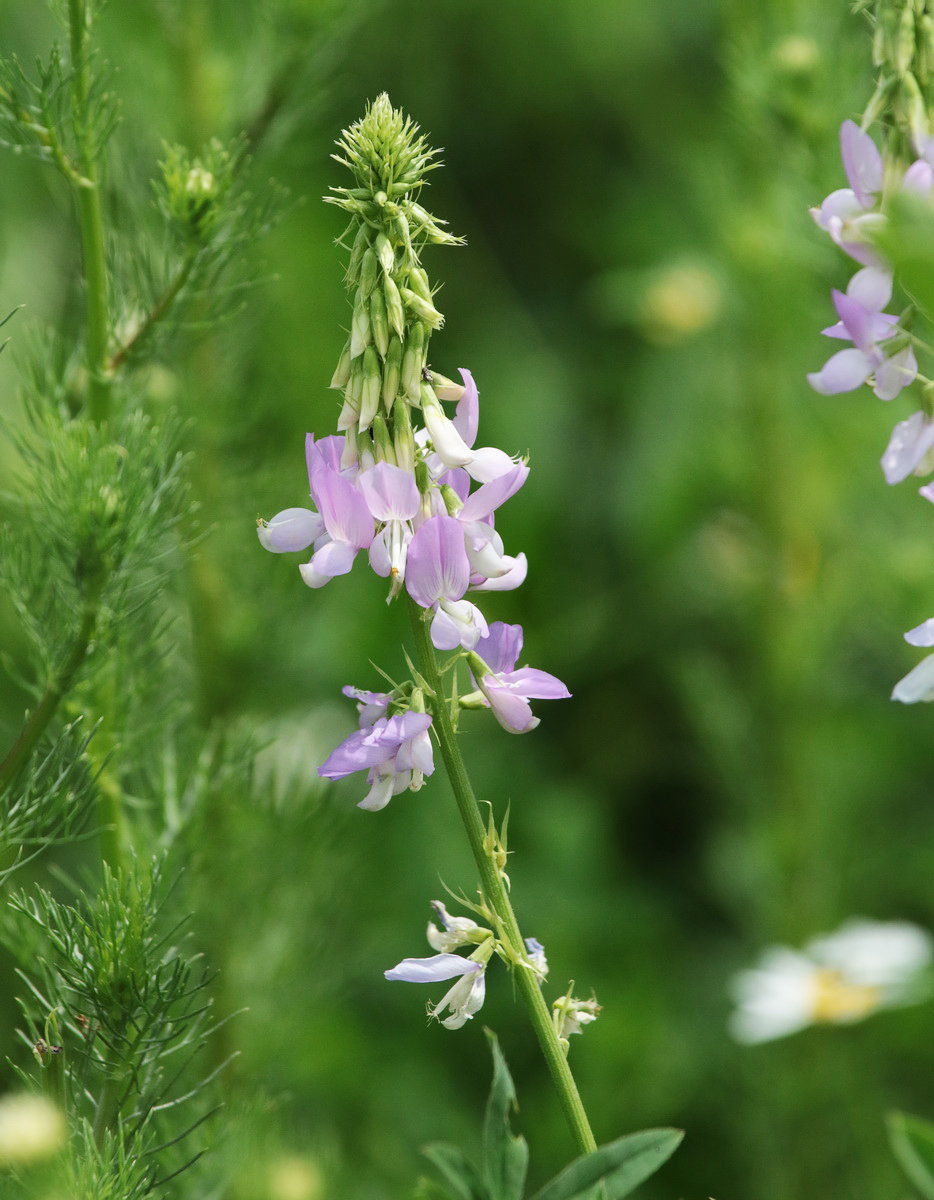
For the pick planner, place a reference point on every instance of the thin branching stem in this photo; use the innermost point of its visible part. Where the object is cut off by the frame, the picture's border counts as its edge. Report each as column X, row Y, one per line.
column 90, row 217
column 133, row 344
column 57, row 687
column 494, row 888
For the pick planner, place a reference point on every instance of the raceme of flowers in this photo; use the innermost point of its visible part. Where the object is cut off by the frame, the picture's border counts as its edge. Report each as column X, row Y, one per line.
column 402, row 480
column 836, row 979
column 881, row 351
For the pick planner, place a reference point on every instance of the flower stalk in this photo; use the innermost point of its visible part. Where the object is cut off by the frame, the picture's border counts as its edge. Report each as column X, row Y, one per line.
column 494, row 889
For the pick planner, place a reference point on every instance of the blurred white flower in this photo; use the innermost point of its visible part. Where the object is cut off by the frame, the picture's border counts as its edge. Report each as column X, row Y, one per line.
column 31, row 1127
column 836, row 979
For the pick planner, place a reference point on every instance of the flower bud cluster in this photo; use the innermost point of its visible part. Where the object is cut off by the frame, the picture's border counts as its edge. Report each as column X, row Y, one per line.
column 402, row 479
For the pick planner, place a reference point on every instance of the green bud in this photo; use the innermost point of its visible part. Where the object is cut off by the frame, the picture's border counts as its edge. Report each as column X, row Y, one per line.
column 392, row 373
column 403, row 438
column 360, row 336
column 905, row 42
column 360, row 244
column 402, row 229
column 372, row 383
column 394, row 309
column 452, row 502
column 379, row 324
column 427, row 396
column 413, row 361
column 368, row 268
column 385, row 450
column 418, row 282
column 385, row 253
column 446, row 389
column 354, row 389
column 342, row 372
column 423, row 309
column 422, row 478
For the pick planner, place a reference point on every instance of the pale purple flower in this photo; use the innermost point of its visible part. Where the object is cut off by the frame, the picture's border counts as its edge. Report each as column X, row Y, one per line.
column 394, row 751
column 863, row 322
column 392, row 497
column 348, row 522
column 847, row 213
column 371, row 705
column 537, row 959
column 290, row 530
column 504, row 689
column 908, row 447
column 454, row 932
column 437, row 575
column 466, row 996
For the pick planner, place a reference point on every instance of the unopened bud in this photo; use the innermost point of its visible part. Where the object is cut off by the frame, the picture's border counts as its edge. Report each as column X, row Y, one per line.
column 403, row 438
column 418, row 282
column 368, row 270
column 422, row 308
column 342, row 371
column 446, row 389
column 392, row 370
column 385, row 253
column 385, row 450
column 453, row 503
column 905, row 42
column 372, row 383
column 360, row 245
column 379, row 325
column 360, row 336
column 394, row 309
column 422, row 478
column 413, row 362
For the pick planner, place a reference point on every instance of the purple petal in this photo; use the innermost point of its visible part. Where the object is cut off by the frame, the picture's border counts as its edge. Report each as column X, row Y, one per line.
column 437, row 564
column 855, row 318
column 509, row 708
column 292, row 529
column 324, row 452
column 344, row 509
column 841, row 205
column 363, row 749
column 467, row 413
column 501, row 648
column 909, row 443
column 918, row 684
column 843, row 372
column 927, row 492
column 862, row 163
column 490, row 496
column 334, row 558
column 434, row 969
column 390, row 492
column 535, row 684
column 513, row 578
column 895, row 373
column 919, row 178
column 872, row 287
column 921, row 635
column 445, row 633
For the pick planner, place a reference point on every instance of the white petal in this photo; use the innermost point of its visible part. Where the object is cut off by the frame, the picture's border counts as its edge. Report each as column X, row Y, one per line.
column 918, row 684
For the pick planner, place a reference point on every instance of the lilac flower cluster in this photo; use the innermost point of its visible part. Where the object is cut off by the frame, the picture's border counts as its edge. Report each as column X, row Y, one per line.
column 881, row 352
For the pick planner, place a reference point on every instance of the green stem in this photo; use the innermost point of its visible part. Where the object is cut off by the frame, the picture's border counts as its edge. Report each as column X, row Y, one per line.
column 494, row 890
column 45, row 710
column 90, row 218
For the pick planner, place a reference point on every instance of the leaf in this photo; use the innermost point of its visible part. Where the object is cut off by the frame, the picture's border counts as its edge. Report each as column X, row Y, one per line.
column 912, row 1142
column 505, row 1156
column 622, row 1165
column 460, row 1175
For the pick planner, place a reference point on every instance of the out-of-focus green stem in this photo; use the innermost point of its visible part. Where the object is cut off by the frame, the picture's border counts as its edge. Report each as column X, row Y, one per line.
column 90, row 218
column 56, row 688
column 494, row 889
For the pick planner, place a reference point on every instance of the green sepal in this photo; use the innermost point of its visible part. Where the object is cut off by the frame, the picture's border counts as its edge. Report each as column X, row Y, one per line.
column 621, row 1166
column 460, row 1175
column 912, row 1142
column 505, row 1155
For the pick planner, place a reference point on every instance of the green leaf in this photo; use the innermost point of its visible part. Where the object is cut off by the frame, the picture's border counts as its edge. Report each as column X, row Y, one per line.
column 505, row 1156
column 460, row 1175
column 912, row 1142
column 621, row 1165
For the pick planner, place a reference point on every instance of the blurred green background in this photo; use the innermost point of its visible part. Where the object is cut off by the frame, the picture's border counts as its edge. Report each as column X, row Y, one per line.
column 717, row 569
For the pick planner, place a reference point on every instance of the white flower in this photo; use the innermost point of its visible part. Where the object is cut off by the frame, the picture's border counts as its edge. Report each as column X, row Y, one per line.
column 838, row 978
column 31, row 1127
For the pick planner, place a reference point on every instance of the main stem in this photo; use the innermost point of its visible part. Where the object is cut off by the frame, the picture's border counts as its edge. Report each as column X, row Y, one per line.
column 494, row 890
column 90, row 218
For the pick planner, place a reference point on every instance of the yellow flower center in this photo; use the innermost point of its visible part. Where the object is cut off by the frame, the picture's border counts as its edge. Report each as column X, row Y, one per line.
column 836, row 1000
